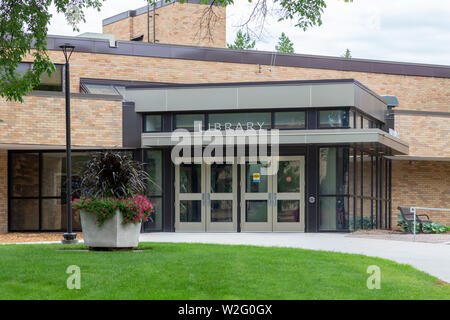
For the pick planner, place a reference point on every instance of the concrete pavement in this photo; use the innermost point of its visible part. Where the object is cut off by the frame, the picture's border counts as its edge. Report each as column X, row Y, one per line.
column 433, row 258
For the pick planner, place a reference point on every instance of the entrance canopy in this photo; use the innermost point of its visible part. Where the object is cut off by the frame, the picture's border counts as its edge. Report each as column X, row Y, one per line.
column 335, row 112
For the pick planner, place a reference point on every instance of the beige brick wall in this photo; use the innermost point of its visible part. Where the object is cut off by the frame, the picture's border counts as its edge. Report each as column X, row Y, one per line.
column 414, row 93
column 422, row 184
column 3, row 191
column 427, row 136
column 176, row 23
column 41, row 120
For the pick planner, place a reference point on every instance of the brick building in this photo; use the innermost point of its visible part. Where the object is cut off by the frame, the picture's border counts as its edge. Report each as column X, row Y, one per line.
column 357, row 138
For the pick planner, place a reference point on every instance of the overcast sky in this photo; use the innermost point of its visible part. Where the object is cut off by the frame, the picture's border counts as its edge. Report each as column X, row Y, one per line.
column 397, row 30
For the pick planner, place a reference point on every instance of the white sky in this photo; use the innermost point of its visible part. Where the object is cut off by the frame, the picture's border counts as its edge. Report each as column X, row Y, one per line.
column 397, row 30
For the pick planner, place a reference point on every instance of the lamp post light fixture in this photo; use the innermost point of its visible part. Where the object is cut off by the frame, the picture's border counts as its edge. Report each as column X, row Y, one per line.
column 69, row 236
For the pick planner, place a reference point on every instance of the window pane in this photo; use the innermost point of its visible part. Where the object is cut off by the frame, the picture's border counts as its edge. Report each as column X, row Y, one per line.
column 288, row 211
column 223, row 121
column 221, row 210
column 290, row 120
column 25, row 174
column 190, row 178
column 221, row 178
column 187, row 121
column 101, row 89
column 190, row 211
column 156, row 224
column 333, row 118
column 256, row 211
column 288, row 176
column 24, row 215
column 153, row 160
column 333, row 213
column 52, row 174
column 333, row 171
column 255, row 181
column 52, row 83
column 152, row 123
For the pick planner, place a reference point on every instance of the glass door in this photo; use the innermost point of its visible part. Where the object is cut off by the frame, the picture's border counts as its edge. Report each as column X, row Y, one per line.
column 189, row 197
column 256, row 198
column 288, row 195
column 221, row 197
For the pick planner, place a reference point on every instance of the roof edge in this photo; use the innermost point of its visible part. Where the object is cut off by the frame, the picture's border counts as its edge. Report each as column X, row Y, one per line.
column 172, row 51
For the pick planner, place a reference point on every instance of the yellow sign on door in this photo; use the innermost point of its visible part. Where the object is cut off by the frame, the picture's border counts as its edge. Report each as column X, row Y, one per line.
column 256, row 177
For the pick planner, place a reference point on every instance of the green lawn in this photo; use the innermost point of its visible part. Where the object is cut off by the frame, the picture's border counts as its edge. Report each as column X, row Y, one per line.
column 197, row 271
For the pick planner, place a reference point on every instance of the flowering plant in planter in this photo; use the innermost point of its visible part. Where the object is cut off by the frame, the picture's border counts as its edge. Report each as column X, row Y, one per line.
column 113, row 207
column 135, row 209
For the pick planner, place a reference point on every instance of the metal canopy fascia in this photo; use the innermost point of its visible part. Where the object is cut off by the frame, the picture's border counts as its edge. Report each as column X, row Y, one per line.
column 371, row 139
column 257, row 96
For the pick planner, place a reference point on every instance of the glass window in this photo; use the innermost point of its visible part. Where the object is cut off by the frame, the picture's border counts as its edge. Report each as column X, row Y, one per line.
column 153, row 166
column 365, row 123
column 333, row 172
column 157, row 216
column 190, row 211
column 334, row 118
column 25, row 174
column 256, row 211
column 152, row 123
column 190, row 178
column 288, row 176
column 48, row 83
column 24, row 215
column 221, row 210
column 290, row 120
column 245, row 121
column 52, row 174
column 333, row 213
column 101, row 89
column 255, row 181
column 187, row 121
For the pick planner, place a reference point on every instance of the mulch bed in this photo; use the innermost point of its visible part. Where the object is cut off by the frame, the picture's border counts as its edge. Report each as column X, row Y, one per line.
column 19, row 237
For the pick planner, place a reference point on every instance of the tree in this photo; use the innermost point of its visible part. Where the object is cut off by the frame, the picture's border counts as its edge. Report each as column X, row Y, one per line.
column 347, row 54
column 285, row 44
column 242, row 42
column 23, row 31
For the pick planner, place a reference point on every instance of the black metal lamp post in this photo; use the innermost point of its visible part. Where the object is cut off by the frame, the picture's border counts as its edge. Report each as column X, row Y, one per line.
column 69, row 236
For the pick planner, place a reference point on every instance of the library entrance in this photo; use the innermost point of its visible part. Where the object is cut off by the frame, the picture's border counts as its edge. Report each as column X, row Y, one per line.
column 247, row 197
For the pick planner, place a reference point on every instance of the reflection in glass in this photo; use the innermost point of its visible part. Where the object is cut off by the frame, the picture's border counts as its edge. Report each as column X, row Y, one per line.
column 24, row 215
column 256, row 211
column 190, row 178
column 333, row 171
column 52, row 168
column 190, row 211
column 288, row 211
column 152, row 123
column 187, row 121
column 221, row 178
column 289, row 176
column 333, row 118
column 255, row 181
column 333, row 213
column 156, row 224
column 221, row 210
column 153, row 167
column 290, row 120
column 25, row 174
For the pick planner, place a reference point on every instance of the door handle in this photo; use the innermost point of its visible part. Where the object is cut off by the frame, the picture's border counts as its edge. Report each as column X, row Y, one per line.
column 209, row 199
column 269, row 198
column 275, row 199
column 203, row 199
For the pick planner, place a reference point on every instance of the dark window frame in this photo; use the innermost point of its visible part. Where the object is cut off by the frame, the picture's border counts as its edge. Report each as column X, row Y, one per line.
column 144, row 122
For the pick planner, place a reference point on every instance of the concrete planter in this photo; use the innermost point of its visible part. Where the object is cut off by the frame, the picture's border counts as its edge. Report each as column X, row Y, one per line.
column 112, row 234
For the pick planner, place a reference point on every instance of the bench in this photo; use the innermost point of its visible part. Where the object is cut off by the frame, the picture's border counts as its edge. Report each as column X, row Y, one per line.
column 408, row 216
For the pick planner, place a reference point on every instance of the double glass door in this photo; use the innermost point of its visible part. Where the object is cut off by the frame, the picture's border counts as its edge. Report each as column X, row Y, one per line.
column 273, row 202
column 206, row 197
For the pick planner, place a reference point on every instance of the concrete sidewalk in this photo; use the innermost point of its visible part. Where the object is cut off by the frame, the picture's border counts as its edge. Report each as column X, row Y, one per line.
column 433, row 258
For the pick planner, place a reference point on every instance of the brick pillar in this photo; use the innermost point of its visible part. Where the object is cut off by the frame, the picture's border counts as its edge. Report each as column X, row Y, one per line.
column 3, row 191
